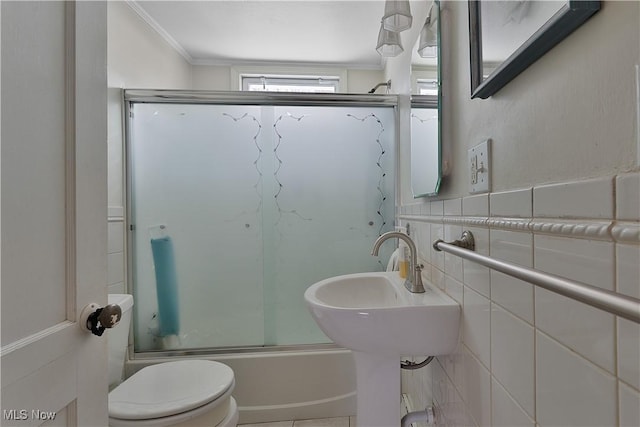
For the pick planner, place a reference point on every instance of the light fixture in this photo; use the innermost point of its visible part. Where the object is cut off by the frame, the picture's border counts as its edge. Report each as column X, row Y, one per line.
column 397, row 15
column 389, row 43
column 428, row 44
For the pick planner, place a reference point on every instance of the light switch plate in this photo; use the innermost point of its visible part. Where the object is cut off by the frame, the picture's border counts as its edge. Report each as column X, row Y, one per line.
column 480, row 168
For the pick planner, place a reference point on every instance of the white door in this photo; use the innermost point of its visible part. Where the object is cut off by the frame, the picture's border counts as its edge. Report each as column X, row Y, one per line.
column 53, row 211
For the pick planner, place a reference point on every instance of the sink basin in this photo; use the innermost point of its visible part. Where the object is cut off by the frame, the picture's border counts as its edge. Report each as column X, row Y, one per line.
column 373, row 312
column 373, row 315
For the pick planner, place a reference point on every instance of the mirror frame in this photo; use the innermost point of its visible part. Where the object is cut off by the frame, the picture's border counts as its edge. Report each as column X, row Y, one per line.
column 569, row 17
column 430, row 102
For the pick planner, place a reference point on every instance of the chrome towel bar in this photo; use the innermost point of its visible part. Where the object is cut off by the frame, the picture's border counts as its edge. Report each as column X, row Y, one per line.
column 612, row 302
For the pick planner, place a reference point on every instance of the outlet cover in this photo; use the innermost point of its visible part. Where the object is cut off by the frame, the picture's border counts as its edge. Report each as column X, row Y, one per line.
column 479, row 167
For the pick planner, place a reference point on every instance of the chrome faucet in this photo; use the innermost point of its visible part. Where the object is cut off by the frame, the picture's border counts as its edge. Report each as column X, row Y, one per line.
column 414, row 276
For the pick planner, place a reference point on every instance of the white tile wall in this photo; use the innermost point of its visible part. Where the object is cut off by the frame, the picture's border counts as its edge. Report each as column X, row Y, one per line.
column 580, row 327
column 453, row 207
column 476, row 324
column 530, row 357
column 453, row 365
column 420, row 381
column 628, row 197
column 629, row 407
column 437, row 258
column 477, row 390
column 117, row 288
column 437, row 207
column 512, row 294
column 453, row 265
column 449, row 400
column 455, row 289
column 422, row 236
column 115, row 255
column 505, row 412
column 476, row 276
column 579, row 199
column 476, row 205
column 628, row 283
column 512, row 357
column 115, row 268
column 438, row 277
column 515, row 203
column 115, row 239
column 571, row 391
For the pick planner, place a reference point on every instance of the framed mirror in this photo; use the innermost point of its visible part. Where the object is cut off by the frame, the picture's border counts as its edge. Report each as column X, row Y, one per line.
column 425, row 117
column 507, row 36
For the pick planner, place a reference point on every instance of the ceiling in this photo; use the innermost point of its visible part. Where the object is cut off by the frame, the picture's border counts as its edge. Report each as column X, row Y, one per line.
column 300, row 32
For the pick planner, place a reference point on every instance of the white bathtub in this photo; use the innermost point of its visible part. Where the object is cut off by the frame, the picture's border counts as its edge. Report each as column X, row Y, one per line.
column 285, row 385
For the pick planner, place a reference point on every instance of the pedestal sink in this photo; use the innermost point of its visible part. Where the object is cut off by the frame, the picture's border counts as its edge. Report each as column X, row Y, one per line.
column 373, row 315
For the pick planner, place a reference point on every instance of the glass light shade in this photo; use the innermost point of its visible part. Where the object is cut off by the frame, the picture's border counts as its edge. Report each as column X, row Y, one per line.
column 428, row 44
column 389, row 43
column 397, row 15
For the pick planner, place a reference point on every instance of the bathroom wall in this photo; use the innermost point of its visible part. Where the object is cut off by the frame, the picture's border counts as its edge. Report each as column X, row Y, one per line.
column 577, row 102
column 564, row 199
column 226, row 77
column 137, row 58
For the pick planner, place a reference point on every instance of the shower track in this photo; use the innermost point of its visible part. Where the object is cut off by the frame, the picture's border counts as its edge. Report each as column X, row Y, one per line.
column 257, row 98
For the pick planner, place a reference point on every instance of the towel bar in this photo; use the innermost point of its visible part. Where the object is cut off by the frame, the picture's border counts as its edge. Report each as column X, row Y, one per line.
column 612, row 302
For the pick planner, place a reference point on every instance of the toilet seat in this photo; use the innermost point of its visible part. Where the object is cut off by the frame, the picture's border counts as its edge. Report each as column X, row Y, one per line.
column 171, row 392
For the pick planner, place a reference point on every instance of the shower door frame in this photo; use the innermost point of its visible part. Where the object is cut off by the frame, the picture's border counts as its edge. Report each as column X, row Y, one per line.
column 160, row 96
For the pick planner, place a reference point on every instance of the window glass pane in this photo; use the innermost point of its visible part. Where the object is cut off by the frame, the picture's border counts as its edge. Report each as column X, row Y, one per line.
column 291, row 84
column 427, row 87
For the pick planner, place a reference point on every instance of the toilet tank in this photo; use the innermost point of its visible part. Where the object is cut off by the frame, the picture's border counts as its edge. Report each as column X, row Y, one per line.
column 119, row 338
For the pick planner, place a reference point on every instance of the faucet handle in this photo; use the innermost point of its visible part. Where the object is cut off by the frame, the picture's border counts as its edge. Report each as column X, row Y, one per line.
column 417, row 286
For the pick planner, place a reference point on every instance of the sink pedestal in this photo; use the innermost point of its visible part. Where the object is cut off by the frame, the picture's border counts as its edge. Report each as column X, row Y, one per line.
column 374, row 316
column 378, row 385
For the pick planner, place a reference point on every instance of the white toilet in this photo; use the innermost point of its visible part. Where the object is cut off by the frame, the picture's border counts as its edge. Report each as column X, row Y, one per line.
column 184, row 393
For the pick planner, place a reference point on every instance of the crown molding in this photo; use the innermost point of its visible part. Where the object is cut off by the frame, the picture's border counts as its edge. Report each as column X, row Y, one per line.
column 133, row 4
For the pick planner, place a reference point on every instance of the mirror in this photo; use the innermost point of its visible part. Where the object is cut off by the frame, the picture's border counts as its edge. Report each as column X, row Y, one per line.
column 425, row 146
column 507, row 36
column 426, row 157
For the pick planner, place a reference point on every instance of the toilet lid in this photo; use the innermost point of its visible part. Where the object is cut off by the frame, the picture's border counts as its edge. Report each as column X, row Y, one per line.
column 169, row 388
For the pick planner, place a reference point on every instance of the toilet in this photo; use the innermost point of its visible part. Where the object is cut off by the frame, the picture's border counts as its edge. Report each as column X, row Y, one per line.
column 184, row 393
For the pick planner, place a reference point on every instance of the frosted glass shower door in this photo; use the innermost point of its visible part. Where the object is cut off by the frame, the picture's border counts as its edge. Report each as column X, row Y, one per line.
column 195, row 169
column 259, row 203
column 333, row 196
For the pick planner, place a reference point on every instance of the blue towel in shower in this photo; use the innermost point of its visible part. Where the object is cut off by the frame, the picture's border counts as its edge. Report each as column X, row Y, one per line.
column 166, row 286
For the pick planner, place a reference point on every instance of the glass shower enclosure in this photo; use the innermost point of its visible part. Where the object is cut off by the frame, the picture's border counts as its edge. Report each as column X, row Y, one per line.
column 237, row 202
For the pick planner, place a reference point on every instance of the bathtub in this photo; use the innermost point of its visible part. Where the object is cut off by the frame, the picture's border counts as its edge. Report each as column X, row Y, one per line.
column 282, row 384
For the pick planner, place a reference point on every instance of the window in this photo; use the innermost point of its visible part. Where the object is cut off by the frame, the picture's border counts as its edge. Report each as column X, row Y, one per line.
column 290, row 84
column 427, row 87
